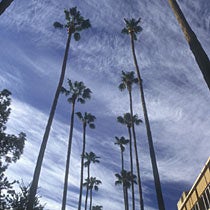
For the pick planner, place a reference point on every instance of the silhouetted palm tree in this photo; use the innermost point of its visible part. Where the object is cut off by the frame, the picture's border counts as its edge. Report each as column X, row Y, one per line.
column 77, row 92
column 91, row 184
column 127, row 81
column 125, row 179
column 121, row 142
column 200, row 55
column 87, row 119
column 90, row 158
column 127, row 119
column 75, row 23
column 132, row 28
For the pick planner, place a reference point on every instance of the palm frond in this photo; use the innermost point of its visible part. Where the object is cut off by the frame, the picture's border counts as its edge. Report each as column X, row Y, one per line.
column 92, row 126
column 79, row 115
column 122, row 86
column 58, row 25
column 120, row 119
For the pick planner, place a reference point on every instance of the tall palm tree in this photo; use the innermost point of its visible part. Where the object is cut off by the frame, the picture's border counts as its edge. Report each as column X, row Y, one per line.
column 127, row 81
column 75, row 23
column 132, row 28
column 77, row 92
column 87, row 119
column 127, row 119
column 90, row 158
column 92, row 183
column 200, row 55
column 122, row 141
column 125, row 178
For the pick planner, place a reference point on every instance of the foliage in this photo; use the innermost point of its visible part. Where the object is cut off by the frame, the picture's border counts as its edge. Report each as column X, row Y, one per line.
column 122, row 141
column 132, row 27
column 88, row 118
column 97, row 207
column 74, row 22
column 77, row 92
column 11, row 148
column 19, row 201
column 90, row 157
column 127, row 80
column 92, row 183
column 126, row 119
column 125, row 178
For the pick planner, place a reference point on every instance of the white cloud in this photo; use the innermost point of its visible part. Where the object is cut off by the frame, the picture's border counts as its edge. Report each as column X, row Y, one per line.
column 176, row 95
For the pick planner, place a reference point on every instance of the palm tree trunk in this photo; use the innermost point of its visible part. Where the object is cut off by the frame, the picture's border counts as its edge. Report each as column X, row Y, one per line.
column 122, row 159
column 87, row 190
column 34, row 184
column 68, row 158
column 82, row 166
column 195, row 46
column 136, row 154
column 91, row 197
column 131, row 161
column 4, row 4
column 126, row 198
column 149, row 134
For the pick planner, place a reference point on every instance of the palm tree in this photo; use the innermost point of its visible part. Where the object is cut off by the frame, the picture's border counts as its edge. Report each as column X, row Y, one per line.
column 132, row 28
column 127, row 119
column 200, row 55
column 77, row 92
column 90, row 158
column 122, row 141
column 127, row 80
column 87, row 119
column 75, row 23
column 125, row 178
column 4, row 4
column 91, row 184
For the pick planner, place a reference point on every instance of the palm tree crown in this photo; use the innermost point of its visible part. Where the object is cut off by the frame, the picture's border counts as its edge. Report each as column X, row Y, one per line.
column 125, row 178
column 90, row 157
column 122, row 141
column 77, row 92
column 132, row 27
column 92, row 183
column 75, row 22
column 126, row 119
column 97, row 207
column 88, row 118
column 127, row 79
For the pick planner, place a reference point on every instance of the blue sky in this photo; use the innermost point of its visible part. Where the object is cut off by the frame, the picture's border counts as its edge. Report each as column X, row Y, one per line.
column 177, row 97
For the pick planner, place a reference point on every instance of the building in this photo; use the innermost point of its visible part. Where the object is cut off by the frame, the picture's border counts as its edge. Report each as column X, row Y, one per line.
column 198, row 198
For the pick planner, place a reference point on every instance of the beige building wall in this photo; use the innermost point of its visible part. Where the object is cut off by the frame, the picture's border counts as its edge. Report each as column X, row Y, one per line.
column 198, row 198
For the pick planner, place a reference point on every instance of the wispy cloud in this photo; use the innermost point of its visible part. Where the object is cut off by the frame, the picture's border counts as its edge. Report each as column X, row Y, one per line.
column 176, row 95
